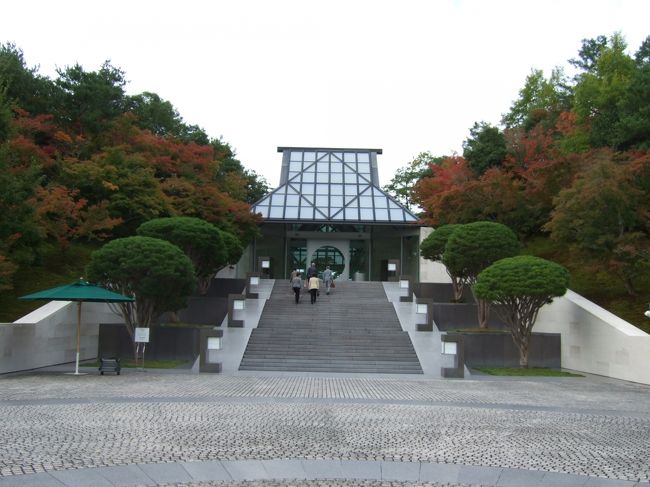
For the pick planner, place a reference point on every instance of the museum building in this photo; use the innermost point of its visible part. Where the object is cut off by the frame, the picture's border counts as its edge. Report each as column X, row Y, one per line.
column 329, row 209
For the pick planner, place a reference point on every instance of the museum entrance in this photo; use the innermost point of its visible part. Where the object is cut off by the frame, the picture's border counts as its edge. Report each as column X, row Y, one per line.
column 329, row 256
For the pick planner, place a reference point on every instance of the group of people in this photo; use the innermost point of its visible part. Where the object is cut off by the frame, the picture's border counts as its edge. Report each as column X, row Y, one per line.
column 312, row 282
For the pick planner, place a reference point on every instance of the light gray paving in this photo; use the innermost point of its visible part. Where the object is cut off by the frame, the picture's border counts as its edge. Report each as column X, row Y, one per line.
column 149, row 429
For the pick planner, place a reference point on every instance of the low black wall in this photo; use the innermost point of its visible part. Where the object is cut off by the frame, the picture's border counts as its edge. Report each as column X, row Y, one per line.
column 440, row 292
column 499, row 350
column 169, row 342
column 450, row 316
column 164, row 342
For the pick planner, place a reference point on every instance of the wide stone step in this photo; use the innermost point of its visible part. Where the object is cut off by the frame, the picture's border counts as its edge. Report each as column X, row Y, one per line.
column 354, row 329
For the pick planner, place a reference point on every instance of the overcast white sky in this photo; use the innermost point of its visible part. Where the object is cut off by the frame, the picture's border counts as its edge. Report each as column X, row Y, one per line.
column 404, row 76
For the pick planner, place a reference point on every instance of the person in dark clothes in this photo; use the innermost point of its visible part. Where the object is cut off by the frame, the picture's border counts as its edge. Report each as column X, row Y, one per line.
column 296, row 284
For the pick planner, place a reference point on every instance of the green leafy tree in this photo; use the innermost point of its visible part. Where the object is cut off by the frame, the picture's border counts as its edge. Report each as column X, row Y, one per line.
column 541, row 100
column 155, row 114
column 201, row 241
column 22, row 85
column 402, row 186
column 473, row 247
column 91, row 100
column 521, row 285
column 600, row 92
column 156, row 273
column 433, row 248
column 633, row 128
column 484, row 148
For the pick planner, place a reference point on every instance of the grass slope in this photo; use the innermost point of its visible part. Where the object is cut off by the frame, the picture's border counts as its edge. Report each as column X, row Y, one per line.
column 55, row 269
column 595, row 283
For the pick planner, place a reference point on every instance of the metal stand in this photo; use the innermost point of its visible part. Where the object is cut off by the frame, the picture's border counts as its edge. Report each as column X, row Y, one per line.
column 139, row 353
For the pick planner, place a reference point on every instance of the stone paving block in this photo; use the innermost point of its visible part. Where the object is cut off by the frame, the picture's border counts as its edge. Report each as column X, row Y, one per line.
column 440, row 472
column 284, row 469
column 353, row 469
column 245, row 469
column 555, row 479
column 81, row 478
column 33, row 480
column 203, row 471
column 322, row 469
column 513, row 477
column 400, row 471
column 165, row 473
column 470, row 474
column 125, row 475
column 600, row 482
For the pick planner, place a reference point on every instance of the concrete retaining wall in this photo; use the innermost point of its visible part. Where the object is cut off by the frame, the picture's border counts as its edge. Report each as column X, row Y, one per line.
column 48, row 336
column 594, row 340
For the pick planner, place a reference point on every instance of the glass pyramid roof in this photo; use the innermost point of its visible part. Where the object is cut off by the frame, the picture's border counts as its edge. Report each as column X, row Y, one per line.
column 338, row 185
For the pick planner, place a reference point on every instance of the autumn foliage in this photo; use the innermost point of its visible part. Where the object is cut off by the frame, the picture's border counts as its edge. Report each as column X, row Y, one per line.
column 80, row 164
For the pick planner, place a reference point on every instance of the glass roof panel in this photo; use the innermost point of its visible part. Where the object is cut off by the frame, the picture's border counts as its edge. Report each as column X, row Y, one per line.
column 366, row 214
column 381, row 215
column 330, row 185
column 396, row 215
column 351, row 214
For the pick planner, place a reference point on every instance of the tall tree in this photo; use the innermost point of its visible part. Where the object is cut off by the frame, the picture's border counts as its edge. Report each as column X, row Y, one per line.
column 484, row 148
column 91, row 99
column 402, row 185
column 601, row 90
column 541, row 100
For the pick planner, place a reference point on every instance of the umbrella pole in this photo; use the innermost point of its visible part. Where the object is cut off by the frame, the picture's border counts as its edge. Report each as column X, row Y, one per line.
column 76, row 367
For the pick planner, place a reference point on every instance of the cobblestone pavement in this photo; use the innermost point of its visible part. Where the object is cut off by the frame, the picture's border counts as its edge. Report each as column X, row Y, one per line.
column 573, row 426
column 320, row 483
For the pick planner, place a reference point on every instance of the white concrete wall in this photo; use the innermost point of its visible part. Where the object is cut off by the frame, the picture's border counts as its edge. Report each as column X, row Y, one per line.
column 48, row 335
column 596, row 341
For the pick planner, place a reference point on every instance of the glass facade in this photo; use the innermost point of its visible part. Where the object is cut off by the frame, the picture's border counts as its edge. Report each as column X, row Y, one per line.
column 331, row 185
column 330, row 210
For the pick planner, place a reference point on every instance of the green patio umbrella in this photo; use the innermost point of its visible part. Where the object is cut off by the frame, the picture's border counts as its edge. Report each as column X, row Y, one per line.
column 79, row 291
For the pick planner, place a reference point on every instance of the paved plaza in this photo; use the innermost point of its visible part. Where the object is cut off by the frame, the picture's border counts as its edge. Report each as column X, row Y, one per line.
column 146, row 428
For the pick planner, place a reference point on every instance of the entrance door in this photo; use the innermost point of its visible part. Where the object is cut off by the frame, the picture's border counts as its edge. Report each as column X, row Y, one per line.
column 329, row 256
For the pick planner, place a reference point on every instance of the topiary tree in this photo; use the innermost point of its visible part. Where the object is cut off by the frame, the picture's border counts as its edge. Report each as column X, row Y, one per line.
column 156, row 273
column 433, row 247
column 521, row 285
column 201, row 241
column 473, row 247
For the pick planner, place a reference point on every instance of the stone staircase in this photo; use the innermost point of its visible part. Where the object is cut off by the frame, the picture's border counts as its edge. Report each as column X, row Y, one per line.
column 353, row 330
